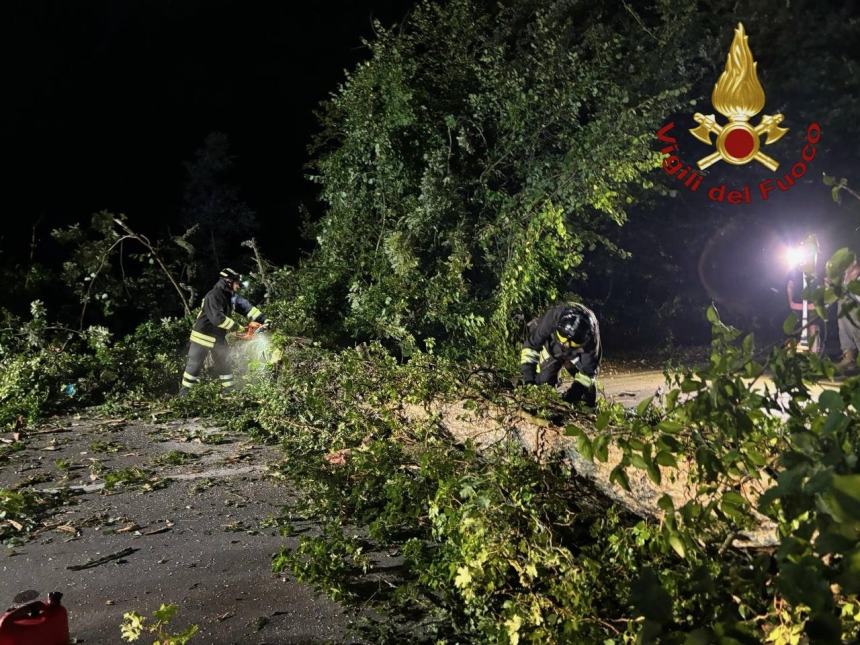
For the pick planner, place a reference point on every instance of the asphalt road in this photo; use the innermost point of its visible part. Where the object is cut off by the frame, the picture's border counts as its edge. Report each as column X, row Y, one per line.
column 631, row 388
column 203, row 541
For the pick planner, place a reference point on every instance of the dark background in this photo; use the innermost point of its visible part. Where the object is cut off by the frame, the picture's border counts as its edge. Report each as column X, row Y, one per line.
column 103, row 101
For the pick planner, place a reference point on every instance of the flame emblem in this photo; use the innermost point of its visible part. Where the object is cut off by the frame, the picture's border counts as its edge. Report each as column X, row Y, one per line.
column 738, row 96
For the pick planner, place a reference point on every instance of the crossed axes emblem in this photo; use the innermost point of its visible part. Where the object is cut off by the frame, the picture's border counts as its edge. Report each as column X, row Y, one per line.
column 738, row 142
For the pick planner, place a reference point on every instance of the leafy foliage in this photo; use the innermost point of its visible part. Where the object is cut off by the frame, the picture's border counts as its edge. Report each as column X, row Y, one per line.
column 452, row 142
column 493, row 545
column 21, row 512
column 106, row 277
column 41, row 373
column 135, row 625
column 469, row 168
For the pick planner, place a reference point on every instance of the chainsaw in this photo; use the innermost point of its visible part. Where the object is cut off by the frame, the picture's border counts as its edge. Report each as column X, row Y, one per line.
column 251, row 331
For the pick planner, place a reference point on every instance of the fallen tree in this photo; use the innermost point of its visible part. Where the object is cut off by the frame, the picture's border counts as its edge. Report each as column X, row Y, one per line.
column 489, row 425
column 457, row 507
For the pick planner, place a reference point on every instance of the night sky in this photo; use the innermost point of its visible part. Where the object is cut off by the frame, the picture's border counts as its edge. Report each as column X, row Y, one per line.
column 104, row 100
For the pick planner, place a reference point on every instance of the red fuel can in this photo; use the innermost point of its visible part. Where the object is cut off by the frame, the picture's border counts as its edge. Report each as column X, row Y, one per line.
column 36, row 623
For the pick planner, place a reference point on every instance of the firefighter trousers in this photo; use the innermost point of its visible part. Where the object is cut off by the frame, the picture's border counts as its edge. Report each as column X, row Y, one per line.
column 220, row 363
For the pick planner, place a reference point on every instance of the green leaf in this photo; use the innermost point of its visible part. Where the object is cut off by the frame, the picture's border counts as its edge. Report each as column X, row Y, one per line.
column 671, row 443
column 677, row 545
column 649, row 598
column 666, row 504
column 672, row 398
column 653, row 472
column 619, row 476
column 601, row 447
column 643, row 405
column 667, row 459
column 672, row 427
column 790, row 324
column 602, row 420
column 846, row 494
column 636, row 444
column 831, row 400
column 184, row 244
column 754, row 456
column 706, row 459
column 733, row 505
column 712, row 315
column 836, row 194
column 733, row 498
column 132, row 626
column 690, row 385
column 638, row 460
column 165, row 613
column 584, row 447
column 838, row 262
column 571, row 430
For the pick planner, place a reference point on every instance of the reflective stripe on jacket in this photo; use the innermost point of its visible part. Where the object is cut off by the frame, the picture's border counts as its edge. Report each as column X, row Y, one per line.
column 543, row 344
column 214, row 321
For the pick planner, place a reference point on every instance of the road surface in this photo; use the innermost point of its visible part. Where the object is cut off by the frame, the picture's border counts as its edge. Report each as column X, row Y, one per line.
column 198, row 521
column 632, row 387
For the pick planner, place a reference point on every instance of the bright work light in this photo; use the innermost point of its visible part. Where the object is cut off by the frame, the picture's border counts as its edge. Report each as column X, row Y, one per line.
column 795, row 256
column 804, row 256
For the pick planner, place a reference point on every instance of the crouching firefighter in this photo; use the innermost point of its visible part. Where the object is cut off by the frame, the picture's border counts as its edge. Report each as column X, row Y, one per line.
column 566, row 336
column 209, row 333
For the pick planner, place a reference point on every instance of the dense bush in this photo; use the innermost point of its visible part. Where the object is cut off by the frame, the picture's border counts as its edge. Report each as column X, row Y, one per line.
column 482, row 144
column 146, row 363
column 494, row 545
column 44, row 371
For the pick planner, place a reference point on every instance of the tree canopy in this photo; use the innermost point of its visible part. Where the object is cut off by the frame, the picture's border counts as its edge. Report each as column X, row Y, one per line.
column 484, row 149
column 479, row 152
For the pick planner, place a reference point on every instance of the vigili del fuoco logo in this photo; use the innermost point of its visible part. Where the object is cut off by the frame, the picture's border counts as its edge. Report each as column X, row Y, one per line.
column 738, row 96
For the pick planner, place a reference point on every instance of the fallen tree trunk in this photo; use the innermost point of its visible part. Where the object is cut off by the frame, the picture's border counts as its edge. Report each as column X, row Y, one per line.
column 489, row 425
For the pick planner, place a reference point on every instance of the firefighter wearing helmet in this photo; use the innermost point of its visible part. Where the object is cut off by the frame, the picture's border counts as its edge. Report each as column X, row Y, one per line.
column 566, row 336
column 209, row 333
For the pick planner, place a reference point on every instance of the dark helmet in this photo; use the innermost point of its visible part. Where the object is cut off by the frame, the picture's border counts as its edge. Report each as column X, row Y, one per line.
column 575, row 327
column 230, row 275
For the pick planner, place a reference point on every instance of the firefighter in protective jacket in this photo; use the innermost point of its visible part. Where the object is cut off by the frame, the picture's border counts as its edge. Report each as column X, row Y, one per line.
column 566, row 336
column 209, row 333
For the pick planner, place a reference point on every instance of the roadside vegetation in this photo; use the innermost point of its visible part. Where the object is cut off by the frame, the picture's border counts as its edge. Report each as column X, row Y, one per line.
column 508, row 145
